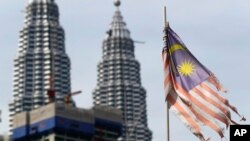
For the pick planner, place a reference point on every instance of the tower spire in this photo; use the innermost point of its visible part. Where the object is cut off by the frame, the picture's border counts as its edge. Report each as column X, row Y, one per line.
column 117, row 3
column 118, row 28
column 30, row 1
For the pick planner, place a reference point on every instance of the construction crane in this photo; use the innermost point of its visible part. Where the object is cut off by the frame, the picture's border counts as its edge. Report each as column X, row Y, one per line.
column 67, row 98
column 139, row 42
column 51, row 91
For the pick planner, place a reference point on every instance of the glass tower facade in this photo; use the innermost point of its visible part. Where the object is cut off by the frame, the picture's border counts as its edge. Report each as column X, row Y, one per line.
column 41, row 39
column 119, row 82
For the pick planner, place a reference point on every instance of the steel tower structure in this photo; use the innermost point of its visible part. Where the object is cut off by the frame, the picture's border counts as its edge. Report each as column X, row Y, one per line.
column 119, row 83
column 41, row 58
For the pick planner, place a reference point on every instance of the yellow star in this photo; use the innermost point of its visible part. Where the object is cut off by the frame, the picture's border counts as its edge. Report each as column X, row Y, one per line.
column 186, row 68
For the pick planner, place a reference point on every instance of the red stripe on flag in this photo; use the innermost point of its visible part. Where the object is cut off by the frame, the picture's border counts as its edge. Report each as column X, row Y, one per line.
column 181, row 108
column 193, row 100
column 222, row 99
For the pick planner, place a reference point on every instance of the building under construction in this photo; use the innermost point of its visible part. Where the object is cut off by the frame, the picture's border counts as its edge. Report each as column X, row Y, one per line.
column 60, row 122
column 1, row 138
column 4, row 137
column 41, row 59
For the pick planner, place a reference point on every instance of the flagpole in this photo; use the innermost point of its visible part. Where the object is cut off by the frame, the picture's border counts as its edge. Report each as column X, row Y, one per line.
column 165, row 40
column 168, row 132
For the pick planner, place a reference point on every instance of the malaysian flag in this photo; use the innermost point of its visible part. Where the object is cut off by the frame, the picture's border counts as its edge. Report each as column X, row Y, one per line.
column 192, row 91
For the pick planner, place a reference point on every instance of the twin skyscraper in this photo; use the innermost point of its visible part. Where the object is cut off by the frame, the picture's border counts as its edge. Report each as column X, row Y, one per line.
column 118, row 85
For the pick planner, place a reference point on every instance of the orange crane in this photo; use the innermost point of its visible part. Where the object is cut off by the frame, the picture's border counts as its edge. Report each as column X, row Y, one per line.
column 51, row 91
column 67, row 98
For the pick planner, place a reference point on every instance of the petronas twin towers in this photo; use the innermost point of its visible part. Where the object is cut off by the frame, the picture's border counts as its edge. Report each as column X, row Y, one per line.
column 119, row 83
column 40, row 38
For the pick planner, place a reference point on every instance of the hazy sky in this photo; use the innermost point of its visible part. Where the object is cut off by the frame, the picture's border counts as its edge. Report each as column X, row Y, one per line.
column 217, row 32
